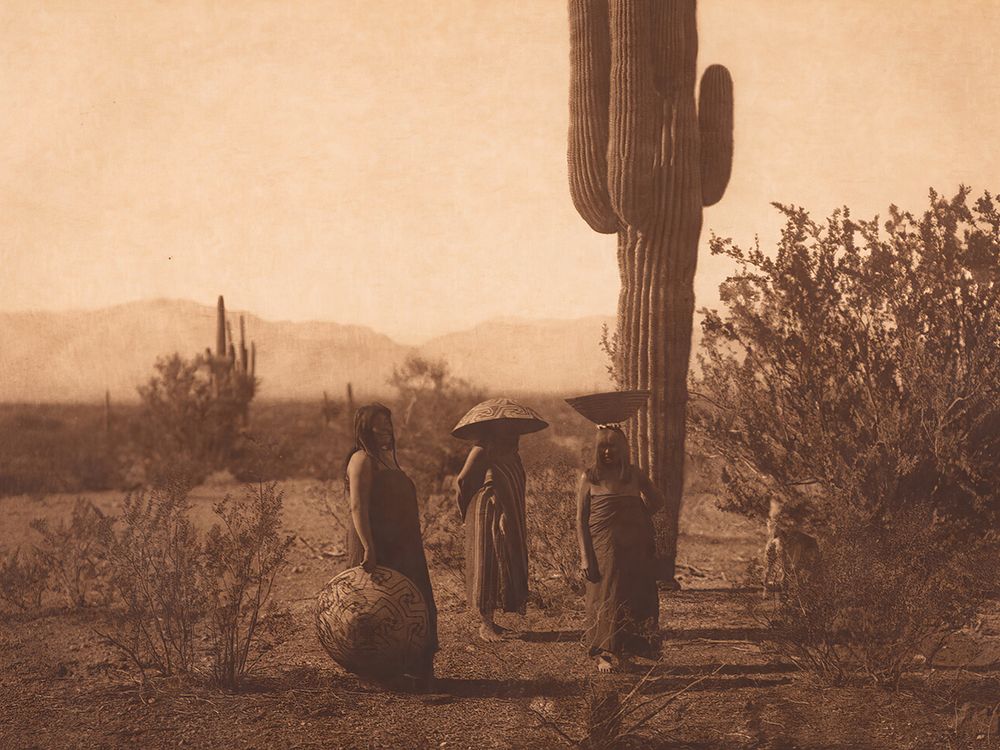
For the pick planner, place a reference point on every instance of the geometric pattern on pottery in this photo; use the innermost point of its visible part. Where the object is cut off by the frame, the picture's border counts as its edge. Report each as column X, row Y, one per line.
column 372, row 624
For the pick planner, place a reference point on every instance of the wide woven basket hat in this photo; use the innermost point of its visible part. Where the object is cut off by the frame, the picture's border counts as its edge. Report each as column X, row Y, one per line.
column 612, row 407
column 494, row 410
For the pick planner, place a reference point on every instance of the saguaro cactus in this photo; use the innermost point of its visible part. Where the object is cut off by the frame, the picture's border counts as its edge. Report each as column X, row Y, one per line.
column 233, row 369
column 643, row 161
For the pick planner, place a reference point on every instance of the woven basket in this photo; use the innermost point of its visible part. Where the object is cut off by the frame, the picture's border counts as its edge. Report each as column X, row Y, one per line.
column 496, row 410
column 612, row 407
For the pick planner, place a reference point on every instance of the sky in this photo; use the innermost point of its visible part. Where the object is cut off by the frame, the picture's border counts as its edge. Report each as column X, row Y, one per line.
column 401, row 164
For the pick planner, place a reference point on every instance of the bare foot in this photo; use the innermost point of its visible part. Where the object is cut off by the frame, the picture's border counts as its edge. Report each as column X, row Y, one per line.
column 604, row 665
column 490, row 632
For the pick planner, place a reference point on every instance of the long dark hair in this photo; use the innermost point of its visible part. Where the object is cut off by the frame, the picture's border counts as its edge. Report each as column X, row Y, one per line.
column 364, row 432
column 605, row 434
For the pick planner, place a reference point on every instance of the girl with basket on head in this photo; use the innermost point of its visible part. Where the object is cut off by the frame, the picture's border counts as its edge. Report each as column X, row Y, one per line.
column 385, row 528
column 490, row 495
column 615, row 502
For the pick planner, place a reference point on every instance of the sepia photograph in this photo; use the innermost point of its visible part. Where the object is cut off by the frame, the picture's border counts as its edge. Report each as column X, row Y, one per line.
column 464, row 374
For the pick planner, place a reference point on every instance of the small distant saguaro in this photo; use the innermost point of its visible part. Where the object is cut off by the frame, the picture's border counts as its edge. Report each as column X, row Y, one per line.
column 232, row 366
column 644, row 158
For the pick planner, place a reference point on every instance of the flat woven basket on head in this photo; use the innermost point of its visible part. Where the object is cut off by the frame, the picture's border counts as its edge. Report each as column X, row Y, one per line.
column 519, row 417
column 612, row 407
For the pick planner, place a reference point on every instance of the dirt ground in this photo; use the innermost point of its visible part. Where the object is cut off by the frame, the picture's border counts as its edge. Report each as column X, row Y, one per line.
column 63, row 688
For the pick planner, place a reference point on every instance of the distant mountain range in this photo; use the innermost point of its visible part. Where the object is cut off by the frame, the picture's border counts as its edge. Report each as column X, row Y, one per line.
column 76, row 356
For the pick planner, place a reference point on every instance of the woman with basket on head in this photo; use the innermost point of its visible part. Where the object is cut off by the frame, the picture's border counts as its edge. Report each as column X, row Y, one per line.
column 385, row 527
column 615, row 502
column 491, row 498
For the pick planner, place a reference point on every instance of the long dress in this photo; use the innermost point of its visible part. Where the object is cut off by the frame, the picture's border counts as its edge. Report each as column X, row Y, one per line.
column 491, row 498
column 622, row 608
column 394, row 519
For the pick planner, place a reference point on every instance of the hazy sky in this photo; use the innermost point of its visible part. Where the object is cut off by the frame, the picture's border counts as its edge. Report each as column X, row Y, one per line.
column 402, row 164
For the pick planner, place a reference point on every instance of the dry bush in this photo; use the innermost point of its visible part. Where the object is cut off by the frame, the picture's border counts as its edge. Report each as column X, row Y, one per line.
column 861, row 360
column 23, row 579
column 243, row 555
column 46, row 448
column 430, row 402
column 74, row 553
column 615, row 711
column 328, row 497
column 190, row 421
column 553, row 550
column 174, row 589
column 855, row 371
column 444, row 536
column 882, row 593
column 155, row 574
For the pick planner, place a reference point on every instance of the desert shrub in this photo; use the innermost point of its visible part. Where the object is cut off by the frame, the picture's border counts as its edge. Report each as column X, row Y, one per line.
column 74, row 553
column 290, row 439
column 882, row 593
column 23, row 579
column 855, row 372
column 616, row 711
column 155, row 573
column 553, row 550
column 861, row 361
column 190, row 423
column 443, row 535
column 430, row 401
column 243, row 555
column 173, row 588
column 260, row 457
column 329, row 498
column 47, row 448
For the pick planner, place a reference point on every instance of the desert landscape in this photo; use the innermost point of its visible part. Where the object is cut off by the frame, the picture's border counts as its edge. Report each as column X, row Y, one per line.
column 665, row 332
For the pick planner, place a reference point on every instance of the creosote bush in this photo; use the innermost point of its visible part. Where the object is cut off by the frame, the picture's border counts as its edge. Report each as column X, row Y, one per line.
column 73, row 553
column 883, row 593
column 444, row 536
column 156, row 575
column 430, row 401
column 862, row 361
column 854, row 373
column 553, row 550
column 23, row 579
column 243, row 554
column 191, row 421
column 175, row 588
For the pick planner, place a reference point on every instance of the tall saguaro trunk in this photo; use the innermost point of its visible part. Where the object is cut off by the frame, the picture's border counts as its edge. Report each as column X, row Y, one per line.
column 643, row 161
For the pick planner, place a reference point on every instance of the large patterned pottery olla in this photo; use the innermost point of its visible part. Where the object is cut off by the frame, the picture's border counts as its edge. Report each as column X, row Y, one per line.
column 372, row 624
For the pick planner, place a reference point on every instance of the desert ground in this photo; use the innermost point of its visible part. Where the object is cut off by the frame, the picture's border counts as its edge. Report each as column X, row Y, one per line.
column 717, row 685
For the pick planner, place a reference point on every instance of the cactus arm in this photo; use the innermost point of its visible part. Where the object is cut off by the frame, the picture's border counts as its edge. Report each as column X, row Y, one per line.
column 634, row 114
column 715, row 122
column 220, row 328
column 589, row 100
column 244, row 364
